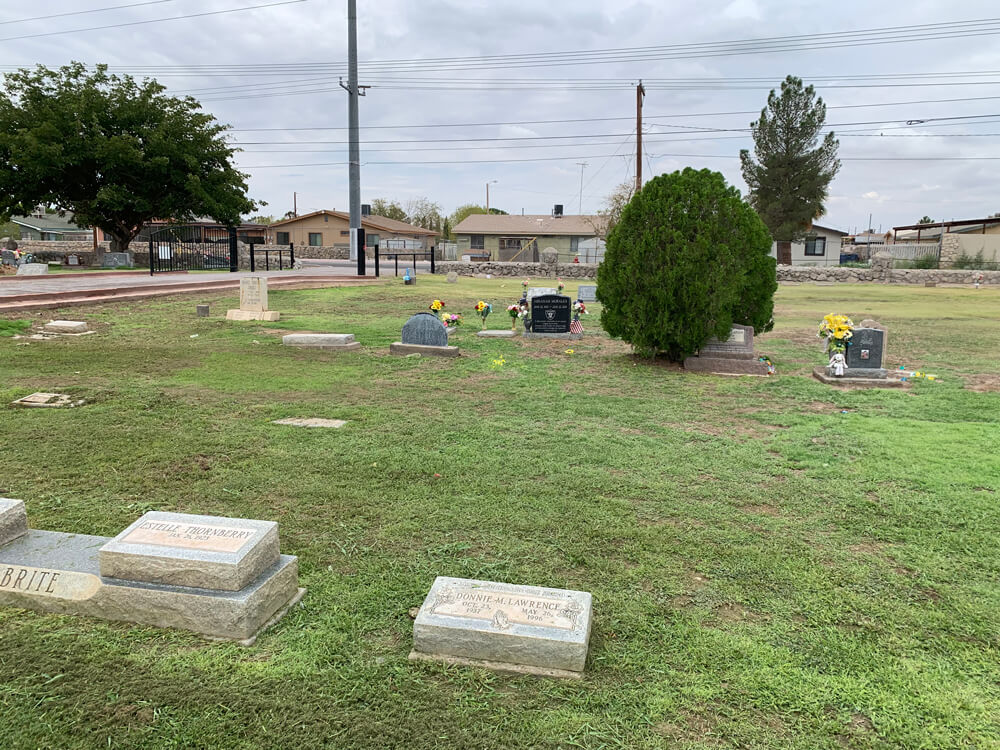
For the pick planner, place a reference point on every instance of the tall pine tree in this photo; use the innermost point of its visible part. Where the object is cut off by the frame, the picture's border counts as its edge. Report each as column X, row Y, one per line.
column 790, row 171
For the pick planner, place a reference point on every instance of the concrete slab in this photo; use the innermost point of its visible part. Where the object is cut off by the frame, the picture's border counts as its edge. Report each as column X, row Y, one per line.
column 313, row 422
column 47, row 401
column 855, row 382
column 533, row 335
column 335, row 341
column 65, row 326
column 181, row 549
column 269, row 316
column 496, row 334
column 402, row 350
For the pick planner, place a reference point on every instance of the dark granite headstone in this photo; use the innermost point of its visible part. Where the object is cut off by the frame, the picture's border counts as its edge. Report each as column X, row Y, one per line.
column 738, row 346
column 866, row 349
column 425, row 329
column 7, row 258
column 550, row 313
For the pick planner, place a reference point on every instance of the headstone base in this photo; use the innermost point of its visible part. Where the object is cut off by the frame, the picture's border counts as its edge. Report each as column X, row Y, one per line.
column 402, row 350
column 33, row 269
column 820, row 373
column 857, row 372
column 267, row 315
column 13, row 520
column 335, row 341
column 725, row 366
column 533, row 335
column 59, row 574
column 497, row 666
column 497, row 334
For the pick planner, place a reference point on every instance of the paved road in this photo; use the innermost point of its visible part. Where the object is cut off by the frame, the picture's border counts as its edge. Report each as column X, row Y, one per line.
column 61, row 283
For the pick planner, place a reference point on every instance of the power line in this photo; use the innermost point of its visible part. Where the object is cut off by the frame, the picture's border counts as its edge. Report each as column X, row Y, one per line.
column 82, row 12
column 152, row 20
column 495, row 123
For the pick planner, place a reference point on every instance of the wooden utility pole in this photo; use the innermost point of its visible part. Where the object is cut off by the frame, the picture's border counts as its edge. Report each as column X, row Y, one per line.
column 640, row 94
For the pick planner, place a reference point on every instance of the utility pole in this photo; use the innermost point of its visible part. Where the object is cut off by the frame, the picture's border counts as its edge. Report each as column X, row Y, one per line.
column 582, row 165
column 640, row 95
column 491, row 182
column 295, row 205
column 354, row 150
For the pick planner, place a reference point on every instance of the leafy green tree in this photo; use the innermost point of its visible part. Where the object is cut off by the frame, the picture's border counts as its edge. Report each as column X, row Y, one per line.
column 446, row 233
column 261, row 219
column 792, row 172
column 926, row 220
column 687, row 259
column 463, row 212
column 113, row 151
column 388, row 209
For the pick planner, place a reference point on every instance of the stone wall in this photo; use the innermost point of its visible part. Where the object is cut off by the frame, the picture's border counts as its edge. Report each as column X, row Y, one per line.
column 532, row 270
column 881, row 274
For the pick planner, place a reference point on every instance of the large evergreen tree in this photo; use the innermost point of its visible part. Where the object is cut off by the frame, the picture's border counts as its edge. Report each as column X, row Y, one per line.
column 114, row 151
column 687, row 259
column 791, row 169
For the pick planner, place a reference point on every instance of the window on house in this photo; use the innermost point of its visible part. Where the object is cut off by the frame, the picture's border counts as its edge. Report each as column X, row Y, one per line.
column 510, row 243
column 345, row 232
column 315, row 239
column 815, row 245
column 282, row 238
column 478, row 242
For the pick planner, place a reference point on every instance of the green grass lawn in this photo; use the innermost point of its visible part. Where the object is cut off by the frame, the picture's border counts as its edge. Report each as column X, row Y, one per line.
column 774, row 563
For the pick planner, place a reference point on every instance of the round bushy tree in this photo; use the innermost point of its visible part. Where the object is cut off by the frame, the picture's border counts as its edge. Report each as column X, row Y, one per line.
column 687, row 259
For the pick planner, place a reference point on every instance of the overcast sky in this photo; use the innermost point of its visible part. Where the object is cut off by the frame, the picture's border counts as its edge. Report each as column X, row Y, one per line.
column 679, row 123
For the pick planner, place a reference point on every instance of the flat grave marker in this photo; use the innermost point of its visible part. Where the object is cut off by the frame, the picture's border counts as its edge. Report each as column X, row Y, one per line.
column 502, row 626
column 334, row 341
column 587, row 293
column 311, row 422
column 253, row 301
column 734, row 356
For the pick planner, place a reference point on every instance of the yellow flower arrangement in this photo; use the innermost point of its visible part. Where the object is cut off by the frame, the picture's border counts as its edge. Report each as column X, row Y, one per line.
column 837, row 330
column 437, row 305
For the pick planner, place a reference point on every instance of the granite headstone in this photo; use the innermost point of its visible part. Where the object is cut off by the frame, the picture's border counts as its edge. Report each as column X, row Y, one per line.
column 425, row 329
column 865, row 353
column 587, row 293
column 538, row 291
column 117, row 260
column 551, row 313
column 7, row 258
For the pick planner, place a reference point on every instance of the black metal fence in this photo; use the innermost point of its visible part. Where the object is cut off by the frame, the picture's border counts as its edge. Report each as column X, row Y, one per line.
column 186, row 248
column 395, row 256
column 281, row 258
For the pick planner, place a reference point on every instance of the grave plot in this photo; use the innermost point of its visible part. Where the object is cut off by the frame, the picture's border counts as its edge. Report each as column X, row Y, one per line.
column 223, row 578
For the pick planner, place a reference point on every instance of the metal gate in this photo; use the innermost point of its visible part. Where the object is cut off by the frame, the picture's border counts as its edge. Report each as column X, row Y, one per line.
column 193, row 248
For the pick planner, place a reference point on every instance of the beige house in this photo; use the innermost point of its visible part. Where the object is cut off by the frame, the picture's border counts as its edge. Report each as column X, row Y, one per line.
column 333, row 229
column 820, row 247
column 521, row 238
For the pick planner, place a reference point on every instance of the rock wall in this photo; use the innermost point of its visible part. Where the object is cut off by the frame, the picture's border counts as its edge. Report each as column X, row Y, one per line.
column 533, row 270
column 884, row 274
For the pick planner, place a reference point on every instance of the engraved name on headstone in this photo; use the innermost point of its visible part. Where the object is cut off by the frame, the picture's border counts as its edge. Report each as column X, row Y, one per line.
column 504, row 610
column 190, row 536
column 57, row 584
column 551, row 313
column 253, row 294
column 739, row 345
column 866, row 349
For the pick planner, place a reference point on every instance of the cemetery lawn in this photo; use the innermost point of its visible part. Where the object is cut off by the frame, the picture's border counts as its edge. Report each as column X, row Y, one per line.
column 774, row 563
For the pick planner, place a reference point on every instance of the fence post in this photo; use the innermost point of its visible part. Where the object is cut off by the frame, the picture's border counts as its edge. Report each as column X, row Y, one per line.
column 234, row 252
column 432, row 260
column 376, row 260
column 267, row 260
column 291, row 254
column 253, row 266
column 151, row 254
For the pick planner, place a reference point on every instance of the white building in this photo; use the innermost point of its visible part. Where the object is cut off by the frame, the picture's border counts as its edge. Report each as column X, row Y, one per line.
column 821, row 247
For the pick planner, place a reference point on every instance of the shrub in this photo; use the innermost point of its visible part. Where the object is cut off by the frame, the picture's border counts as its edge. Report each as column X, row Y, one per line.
column 687, row 260
column 966, row 261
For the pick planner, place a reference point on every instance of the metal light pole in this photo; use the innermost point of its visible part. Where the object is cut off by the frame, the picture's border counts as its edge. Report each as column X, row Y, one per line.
column 583, row 165
column 491, row 182
column 354, row 154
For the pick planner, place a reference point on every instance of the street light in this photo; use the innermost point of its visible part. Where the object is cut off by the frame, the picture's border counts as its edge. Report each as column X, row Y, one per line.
column 491, row 182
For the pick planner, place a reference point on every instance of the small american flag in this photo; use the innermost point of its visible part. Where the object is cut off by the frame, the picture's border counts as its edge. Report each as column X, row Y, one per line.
column 576, row 327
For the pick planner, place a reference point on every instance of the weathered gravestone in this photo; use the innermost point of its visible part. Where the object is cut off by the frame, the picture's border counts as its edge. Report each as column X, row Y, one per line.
column 65, row 326
column 72, row 260
column 538, row 291
column 253, row 301
column 7, row 258
column 587, row 293
column 501, row 626
column 221, row 577
column 452, row 277
column 32, row 269
column 550, row 317
column 117, row 260
column 332, row 341
column 424, row 333
column 734, row 356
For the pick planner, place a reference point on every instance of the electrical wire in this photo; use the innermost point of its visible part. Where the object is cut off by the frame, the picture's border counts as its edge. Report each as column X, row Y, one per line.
column 82, row 12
